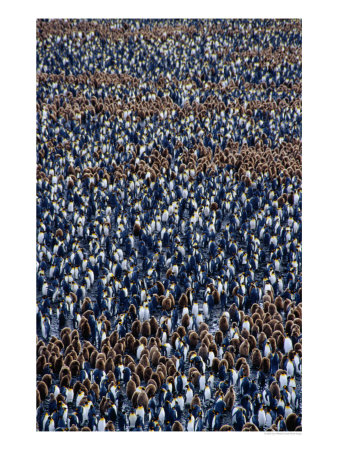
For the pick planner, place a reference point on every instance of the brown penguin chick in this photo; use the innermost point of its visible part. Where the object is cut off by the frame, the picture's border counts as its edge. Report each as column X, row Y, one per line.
column 278, row 317
column 265, row 365
column 142, row 400
column 298, row 348
column 109, row 426
column 244, row 348
column 288, row 327
column 266, row 318
column 261, row 338
column 130, row 388
column 232, row 311
column 65, row 371
column 95, row 388
column 226, row 428
column 259, row 324
column 203, row 351
column 255, row 330
column 183, row 301
column 219, row 337
column 151, row 390
column 186, row 321
column 140, row 371
column 230, row 398
column 153, row 325
column 85, row 329
column 215, row 365
column 47, row 378
column 291, row 422
column 144, row 360
column 43, row 390
column 113, row 338
column 118, row 359
column 235, row 343
column 177, row 426
column 73, row 428
column 230, row 359
column 280, row 342
column 132, row 367
column 85, row 429
column 193, row 339
column 136, row 378
column 171, row 370
column 156, row 377
column 202, row 327
column 286, row 304
column 161, row 375
column 160, row 288
column 216, row 297
column 75, row 368
column 66, row 339
column 278, row 327
column 246, row 370
column 252, row 342
column 267, row 330
column 145, row 329
column 154, row 356
column 254, row 308
column 274, row 389
column 74, row 334
column 223, row 324
column 245, row 333
column 272, row 344
column 59, row 344
column 163, row 367
column 65, row 381
column 104, row 405
column 153, row 382
column 256, row 358
column 167, row 303
column 279, row 303
column 272, row 309
column 255, row 317
column 40, row 363
column 203, row 335
column 195, row 375
column 137, row 229
column 196, row 401
column 249, row 427
column 92, row 358
column 298, row 322
column 136, row 328
column 120, row 347
column 134, row 399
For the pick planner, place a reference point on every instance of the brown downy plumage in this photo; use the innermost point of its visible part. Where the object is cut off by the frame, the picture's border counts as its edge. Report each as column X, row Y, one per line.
column 244, row 348
column 230, row 398
column 130, row 388
column 43, row 390
column 177, row 426
column 265, row 365
column 223, row 324
column 256, row 358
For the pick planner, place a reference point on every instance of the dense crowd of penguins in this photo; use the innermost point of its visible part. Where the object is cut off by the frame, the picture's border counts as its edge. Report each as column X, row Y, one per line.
column 169, row 205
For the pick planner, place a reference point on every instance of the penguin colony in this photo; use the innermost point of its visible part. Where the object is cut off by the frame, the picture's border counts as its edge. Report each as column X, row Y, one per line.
column 169, row 205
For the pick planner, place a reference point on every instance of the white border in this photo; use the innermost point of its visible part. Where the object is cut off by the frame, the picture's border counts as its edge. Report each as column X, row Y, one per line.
column 17, row 390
